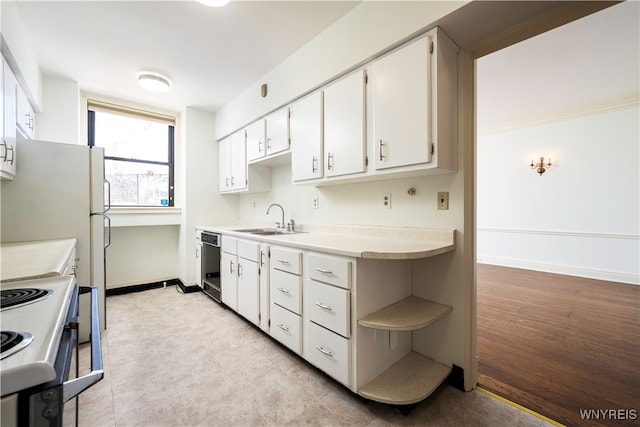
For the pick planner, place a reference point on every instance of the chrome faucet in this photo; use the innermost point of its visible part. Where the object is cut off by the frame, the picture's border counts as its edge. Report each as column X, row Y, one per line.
column 282, row 209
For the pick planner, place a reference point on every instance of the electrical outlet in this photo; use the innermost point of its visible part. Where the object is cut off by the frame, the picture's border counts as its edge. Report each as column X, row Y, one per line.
column 254, row 203
column 315, row 202
column 386, row 200
column 443, row 200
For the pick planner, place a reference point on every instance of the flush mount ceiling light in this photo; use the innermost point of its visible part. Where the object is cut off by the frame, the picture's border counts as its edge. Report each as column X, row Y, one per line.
column 213, row 3
column 154, row 81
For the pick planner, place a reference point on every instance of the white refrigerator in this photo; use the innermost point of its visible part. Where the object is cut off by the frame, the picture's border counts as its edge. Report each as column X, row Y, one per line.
column 59, row 191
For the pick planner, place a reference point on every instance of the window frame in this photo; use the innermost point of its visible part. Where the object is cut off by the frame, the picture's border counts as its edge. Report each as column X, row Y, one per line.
column 93, row 106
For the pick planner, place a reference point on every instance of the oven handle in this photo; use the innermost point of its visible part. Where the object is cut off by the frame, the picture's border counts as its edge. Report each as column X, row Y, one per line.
column 74, row 387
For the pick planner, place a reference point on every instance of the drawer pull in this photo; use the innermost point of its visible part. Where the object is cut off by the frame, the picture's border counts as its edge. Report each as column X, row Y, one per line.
column 323, row 306
column 284, row 291
column 283, row 261
column 283, row 327
column 323, row 351
column 322, row 270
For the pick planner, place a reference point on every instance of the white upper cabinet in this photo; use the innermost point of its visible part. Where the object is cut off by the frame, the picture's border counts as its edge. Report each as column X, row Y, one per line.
column 277, row 125
column 256, row 137
column 414, row 105
column 401, row 106
column 26, row 118
column 233, row 163
column 306, row 138
column 236, row 175
column 268, row 136
column 344, row 126
column 8, row 146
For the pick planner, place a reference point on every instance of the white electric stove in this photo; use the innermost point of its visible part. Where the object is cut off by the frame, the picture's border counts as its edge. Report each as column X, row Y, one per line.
column 39, row 327
column 36, row 322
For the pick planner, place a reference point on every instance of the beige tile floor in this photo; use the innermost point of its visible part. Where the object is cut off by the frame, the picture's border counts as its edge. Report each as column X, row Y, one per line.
column 175, row 359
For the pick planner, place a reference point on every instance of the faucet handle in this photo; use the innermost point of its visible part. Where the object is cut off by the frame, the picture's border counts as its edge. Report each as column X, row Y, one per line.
column 291, row 226
column 278, row 224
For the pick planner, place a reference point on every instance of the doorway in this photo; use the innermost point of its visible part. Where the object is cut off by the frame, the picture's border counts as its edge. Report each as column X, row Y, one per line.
column 539, row 234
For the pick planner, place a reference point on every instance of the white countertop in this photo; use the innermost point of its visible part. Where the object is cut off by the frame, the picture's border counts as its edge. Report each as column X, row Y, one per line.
column 356, row 241
column 37, row 259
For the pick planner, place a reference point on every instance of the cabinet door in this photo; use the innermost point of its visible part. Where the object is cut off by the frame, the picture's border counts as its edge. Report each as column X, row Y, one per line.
column 256, row 135
column 238, row 161
column 401, row 112
column 199, row 264
column 306, row 138
column 264, row 287
column 25, row 115
column 277, row 131
column 249, row 290
column 224, row 158
column 344, row 126
column 228, row 280
column 8, row 149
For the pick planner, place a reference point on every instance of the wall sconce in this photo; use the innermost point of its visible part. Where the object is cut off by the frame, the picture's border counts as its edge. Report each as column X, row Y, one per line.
column 540, row 167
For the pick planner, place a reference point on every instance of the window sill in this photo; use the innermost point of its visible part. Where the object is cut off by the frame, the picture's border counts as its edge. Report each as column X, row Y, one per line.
column 141, row 217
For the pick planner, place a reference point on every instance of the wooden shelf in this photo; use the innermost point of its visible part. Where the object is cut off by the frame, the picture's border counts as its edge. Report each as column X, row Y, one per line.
column 410, row 380
column 408, row 314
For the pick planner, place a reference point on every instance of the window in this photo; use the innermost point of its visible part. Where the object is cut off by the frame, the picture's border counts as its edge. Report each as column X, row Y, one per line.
column 138, row 148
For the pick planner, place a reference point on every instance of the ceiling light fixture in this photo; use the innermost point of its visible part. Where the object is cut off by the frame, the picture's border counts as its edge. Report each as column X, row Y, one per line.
column 213, row 3
column 154, row 81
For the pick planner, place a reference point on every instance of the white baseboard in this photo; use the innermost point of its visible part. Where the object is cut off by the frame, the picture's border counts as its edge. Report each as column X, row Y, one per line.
column 610, row 276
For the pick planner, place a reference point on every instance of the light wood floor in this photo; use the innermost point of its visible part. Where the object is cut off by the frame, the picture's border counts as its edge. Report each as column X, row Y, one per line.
column 557, row 344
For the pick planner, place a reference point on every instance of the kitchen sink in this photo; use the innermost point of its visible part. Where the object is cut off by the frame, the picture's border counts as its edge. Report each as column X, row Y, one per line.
column 267, row 231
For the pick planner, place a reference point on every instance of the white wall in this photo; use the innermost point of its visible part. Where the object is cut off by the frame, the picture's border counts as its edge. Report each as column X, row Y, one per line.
column 198, row 189
column 140, row 255
column 363, row 32
column 59, row 120
column 582, row 216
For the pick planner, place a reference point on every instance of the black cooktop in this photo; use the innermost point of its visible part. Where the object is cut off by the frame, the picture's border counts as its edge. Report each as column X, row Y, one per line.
column 11, row 342
column 10, row 298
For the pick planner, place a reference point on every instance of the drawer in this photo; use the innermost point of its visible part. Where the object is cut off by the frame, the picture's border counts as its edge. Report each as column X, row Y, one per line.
column 286, row 327
column 249, row 249
column 229, row 245
column 328, row 269
column 328, row 306
column 286, row 290
column 328, row 351
column 289, row 260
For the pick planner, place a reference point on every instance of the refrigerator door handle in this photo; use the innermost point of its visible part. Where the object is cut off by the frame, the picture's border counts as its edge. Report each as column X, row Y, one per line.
column 108, row 196
column 108, row 231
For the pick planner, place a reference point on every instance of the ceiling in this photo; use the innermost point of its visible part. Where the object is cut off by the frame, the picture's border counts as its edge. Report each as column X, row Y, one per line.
column 213, row 54
column 210, row 54
column 588, row 63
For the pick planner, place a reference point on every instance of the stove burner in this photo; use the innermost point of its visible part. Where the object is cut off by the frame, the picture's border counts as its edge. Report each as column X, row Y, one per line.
column 13, row 342
column 10, row 298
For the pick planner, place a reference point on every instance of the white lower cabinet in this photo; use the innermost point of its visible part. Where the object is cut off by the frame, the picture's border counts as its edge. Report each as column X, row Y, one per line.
column 286, row 327
column 248, row 272
column 285, row 293
column 229, row 272
column 199, row 258
column 352, row 318
column 329, row 306
column 328, row 351
column 327, row 310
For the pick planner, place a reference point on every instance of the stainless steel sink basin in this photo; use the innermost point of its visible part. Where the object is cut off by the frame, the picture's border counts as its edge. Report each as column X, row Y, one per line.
column 266, row 231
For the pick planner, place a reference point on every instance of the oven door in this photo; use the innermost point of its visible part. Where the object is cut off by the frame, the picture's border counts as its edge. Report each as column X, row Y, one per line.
column 211, row 271
column 55, row 403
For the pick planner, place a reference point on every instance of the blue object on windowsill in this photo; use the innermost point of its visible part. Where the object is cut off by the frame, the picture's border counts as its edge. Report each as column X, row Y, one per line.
column 164, row 202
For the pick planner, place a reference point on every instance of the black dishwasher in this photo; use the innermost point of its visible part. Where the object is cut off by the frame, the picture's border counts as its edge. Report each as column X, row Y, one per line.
column 211, row 265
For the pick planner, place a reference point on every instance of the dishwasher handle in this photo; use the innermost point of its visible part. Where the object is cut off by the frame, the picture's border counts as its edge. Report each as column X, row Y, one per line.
column 74, row 387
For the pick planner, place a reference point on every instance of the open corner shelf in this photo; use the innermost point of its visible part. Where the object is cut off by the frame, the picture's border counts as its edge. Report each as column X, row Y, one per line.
column 410, row 380
column 408, row 314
